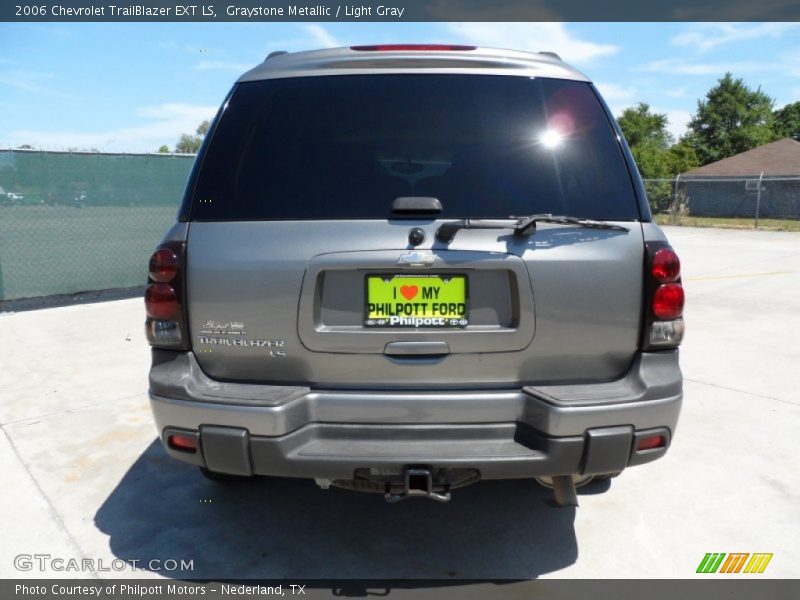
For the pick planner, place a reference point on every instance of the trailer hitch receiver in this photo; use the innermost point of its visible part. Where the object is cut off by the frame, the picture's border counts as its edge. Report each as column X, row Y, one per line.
column 418, row 482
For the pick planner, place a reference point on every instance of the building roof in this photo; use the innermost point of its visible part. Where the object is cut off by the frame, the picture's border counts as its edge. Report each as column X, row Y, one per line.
column 781, row 157
column 346, row 61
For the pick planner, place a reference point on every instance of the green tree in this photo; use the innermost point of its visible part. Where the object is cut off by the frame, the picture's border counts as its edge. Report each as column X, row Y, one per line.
column 681, row 157
column 642, row 127
column 731, row 119
column 787, row 121
column 650, row 143
column 190, row 144
column 163, row 149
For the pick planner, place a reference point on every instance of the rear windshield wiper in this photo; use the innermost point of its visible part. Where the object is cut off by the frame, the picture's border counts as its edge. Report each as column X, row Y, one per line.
column 520, row 225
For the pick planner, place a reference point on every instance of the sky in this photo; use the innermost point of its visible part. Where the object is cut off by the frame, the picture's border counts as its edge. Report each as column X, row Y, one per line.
column 131, row 87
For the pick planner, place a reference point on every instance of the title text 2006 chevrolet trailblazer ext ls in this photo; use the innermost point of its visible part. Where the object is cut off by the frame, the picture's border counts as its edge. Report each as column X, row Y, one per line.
column 407, row 268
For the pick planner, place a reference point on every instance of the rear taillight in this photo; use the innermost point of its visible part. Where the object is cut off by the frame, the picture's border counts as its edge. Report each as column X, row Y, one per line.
column 163, row 298
column 412, row 47
column 668, row 302
column 666, row 266
column 161, row 301
column 164, row 265
column 664, row 298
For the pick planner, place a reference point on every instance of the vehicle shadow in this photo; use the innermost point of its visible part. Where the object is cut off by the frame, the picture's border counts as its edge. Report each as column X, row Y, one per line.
column 288, row 528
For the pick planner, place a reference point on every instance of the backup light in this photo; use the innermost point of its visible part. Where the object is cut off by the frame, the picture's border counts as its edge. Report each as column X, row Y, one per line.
column 667, row 333
column 163, row 333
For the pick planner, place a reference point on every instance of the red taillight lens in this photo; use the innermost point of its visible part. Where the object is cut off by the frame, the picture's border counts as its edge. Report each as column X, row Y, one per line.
column 165, row 326
column 185, row 443
column 668, row 301
column 648, row 443
column 164, row 265
column 161, row 301
column 666, row 266
column 417, row 47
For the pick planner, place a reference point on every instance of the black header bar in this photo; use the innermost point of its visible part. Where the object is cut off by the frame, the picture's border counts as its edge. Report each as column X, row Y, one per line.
column 398, row 10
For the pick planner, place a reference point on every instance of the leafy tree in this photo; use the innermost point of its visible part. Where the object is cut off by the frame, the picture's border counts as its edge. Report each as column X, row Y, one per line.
column 732, row 118
column 163, row 149
column 651, row 143
column 652, row 161
column 656, row 156
column 681, row 157
column 642, row 127
column 190, row 144
column 787, row 121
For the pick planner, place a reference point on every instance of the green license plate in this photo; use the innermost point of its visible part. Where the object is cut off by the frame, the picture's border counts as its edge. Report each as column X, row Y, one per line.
column 416, row 301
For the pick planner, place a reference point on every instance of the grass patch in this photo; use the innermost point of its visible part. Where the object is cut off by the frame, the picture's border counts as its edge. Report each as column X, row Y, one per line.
column 731, row 223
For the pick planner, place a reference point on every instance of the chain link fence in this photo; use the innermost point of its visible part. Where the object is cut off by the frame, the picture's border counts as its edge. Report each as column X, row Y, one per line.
column 757, row 200
column 77, row 221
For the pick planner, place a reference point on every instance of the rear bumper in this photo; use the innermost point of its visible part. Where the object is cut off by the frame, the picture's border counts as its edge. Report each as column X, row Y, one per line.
column 300, row 432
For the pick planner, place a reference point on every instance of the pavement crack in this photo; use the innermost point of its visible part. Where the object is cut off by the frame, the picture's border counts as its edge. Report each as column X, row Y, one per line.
column 51, row 509
column 69, row 410
column 738, row 391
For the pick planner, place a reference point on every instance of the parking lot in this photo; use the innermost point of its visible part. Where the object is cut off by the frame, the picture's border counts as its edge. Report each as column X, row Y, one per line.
column 85, row 477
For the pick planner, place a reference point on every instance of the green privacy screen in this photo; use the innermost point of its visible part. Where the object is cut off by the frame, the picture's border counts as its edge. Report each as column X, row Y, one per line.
column 72, row 222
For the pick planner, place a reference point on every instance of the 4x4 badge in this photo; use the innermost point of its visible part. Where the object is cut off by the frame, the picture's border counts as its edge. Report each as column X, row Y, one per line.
column 416, row 259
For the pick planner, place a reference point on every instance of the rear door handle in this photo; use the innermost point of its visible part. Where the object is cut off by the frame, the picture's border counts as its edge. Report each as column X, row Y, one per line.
column 416, row 349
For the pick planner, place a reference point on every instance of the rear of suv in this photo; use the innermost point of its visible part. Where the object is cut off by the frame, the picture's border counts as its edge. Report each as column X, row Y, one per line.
column 404, row 269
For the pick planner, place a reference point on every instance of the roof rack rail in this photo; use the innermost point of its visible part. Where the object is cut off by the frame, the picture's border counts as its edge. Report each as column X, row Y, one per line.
column 276, row 53
column 553, row 54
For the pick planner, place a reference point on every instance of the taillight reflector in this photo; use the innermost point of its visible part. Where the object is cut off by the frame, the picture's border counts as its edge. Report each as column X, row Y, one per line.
column 185, row 443
column 413, row 47
column 653, row 441
column 161, row 301
column 668, row 301
column 666, row 266
column 164, row 265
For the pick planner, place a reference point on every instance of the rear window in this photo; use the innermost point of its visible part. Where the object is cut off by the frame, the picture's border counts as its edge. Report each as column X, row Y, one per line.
column 344, row 147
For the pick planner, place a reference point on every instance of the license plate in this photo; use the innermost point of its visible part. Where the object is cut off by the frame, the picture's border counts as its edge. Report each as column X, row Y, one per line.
column 394, row 300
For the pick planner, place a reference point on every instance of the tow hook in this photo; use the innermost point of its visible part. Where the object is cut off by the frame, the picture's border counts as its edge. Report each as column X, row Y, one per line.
column 418, row 483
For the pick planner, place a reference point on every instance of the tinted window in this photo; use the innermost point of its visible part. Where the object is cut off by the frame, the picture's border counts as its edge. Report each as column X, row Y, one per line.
column 344, row 147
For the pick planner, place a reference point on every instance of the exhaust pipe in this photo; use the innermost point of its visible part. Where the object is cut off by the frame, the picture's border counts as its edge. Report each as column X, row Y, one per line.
column 564, row 491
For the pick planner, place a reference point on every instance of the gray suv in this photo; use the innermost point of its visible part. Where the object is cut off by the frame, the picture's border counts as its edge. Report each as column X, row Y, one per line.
column 404, row 269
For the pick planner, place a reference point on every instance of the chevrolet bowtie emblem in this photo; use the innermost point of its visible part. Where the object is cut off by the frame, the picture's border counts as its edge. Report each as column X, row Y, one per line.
column 416, row 259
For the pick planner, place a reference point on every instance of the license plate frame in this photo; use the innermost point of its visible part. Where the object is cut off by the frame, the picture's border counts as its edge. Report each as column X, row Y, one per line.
column 429, row 317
